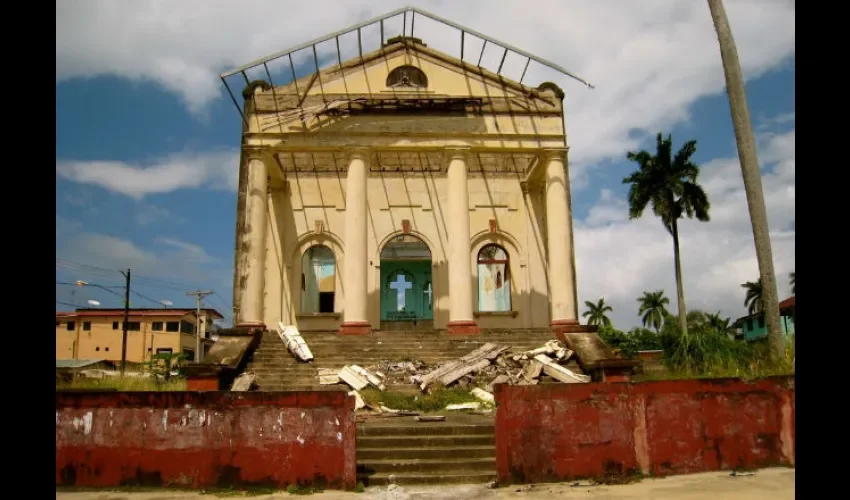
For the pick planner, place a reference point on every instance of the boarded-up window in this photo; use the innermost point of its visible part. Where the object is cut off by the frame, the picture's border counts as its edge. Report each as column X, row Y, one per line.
column 318, row 280
column 494, row 279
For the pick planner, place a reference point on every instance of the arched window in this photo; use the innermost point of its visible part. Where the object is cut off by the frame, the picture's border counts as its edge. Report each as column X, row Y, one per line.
column 407, row 76
column 318, row 280
column 494, row 279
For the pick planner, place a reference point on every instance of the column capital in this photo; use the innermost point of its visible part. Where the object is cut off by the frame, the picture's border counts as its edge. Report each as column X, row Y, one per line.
column 257, row 153
column 457, row 152
column 556, row 153
column 358, row 151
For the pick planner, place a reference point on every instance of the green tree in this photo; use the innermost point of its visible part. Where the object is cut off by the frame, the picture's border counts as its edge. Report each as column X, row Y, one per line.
column 653, row 309
column 793, row 282
column 750, row 171
column 595, row 313
column 697, row 320
column 754, row 298
column 719, row 323
column 669, row 184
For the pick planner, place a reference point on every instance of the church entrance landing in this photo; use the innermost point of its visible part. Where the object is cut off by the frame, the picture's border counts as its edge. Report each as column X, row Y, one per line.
column 407, row 293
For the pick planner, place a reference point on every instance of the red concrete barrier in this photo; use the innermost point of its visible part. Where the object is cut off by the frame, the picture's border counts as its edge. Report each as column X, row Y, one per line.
column 205, row 439
column 559, row 432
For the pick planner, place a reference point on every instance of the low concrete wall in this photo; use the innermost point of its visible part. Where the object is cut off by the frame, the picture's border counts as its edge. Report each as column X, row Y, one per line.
column 568, row 431
column 205, row 439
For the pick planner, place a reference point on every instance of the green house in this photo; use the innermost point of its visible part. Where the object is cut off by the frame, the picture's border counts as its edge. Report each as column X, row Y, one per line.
column 753, row 327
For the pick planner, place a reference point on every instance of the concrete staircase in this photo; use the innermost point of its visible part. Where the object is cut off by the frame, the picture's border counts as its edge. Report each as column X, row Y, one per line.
column 461, row 450
column 278, row 370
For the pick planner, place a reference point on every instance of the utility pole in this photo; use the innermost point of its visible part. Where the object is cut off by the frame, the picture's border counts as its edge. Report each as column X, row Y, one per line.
column 199, row 295
column 126, row 321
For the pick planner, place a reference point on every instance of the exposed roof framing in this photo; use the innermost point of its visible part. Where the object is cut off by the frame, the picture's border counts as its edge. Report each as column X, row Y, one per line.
column 404, row 12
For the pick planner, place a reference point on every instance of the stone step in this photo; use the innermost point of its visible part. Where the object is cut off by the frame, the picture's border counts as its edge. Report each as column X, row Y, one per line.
column 425, row 441
column 395, row 465
column 426, row 428
column 456, row 477
column 368, row 454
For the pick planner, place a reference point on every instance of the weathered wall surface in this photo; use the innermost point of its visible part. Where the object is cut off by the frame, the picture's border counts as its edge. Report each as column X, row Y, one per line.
column 318, row 202
column 563, row 432
column 205, row 439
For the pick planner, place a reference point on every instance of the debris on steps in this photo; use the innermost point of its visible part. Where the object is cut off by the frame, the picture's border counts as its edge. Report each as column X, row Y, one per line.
column 243, row 382
column 294, row 342
column 359, row 378
column 477, row 372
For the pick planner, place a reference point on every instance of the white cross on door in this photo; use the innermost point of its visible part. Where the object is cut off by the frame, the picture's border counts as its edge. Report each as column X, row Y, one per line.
column 401, row 286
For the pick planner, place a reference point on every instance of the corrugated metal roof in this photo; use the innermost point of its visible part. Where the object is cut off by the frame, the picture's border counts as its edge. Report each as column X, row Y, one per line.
column 77, row 363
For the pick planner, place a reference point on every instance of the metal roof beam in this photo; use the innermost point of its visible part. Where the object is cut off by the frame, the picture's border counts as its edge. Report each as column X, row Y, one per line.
column 403, row 11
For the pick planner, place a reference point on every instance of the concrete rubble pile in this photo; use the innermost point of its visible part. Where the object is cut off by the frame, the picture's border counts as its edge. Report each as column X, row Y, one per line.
column 477, row 371
column 492, row 364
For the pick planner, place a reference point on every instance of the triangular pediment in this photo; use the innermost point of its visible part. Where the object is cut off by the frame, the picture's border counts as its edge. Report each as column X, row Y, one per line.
column 404, row 69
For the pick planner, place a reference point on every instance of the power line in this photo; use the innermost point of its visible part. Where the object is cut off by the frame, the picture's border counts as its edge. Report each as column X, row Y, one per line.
column 113, row 273
column 67, row 304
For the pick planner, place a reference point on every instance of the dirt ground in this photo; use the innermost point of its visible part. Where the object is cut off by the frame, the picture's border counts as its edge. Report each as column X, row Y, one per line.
column 766, row 484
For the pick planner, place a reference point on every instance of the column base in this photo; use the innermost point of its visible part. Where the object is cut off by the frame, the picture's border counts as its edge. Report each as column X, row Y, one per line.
column 463, row 327
column 564, row 326
column 251, row 326
column 355, row 328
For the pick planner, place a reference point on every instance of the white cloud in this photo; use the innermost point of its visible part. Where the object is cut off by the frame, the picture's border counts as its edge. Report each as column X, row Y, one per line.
column 217, row 170
column 168, row 260
column 650, row 60
column 619, row 259
column 146, row 214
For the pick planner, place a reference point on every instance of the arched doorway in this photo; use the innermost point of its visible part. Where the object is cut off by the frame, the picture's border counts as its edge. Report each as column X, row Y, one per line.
column 407, row 293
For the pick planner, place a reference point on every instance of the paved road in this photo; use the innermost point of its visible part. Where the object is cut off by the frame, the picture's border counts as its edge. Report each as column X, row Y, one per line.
column 766, row 484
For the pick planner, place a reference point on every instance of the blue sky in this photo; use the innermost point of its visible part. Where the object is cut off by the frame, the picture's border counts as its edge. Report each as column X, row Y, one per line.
column 146, row 169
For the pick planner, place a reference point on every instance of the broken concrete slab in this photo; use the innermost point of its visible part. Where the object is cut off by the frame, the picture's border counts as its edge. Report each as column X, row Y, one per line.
column 560, row 373
column 243, row 382
column 483, row 395
column 353, row 379
column 328, row 376
column 369, row 376
column 358, row 400
column 464, row 406
column 453, row 370
column 294, row 341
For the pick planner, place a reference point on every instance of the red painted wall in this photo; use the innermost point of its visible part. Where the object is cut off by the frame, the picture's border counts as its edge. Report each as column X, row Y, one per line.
column 568, row 431
column 205, row 439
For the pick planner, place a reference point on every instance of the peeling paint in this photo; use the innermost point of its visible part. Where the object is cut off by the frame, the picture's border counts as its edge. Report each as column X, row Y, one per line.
column 128, row 445
column 657, row 428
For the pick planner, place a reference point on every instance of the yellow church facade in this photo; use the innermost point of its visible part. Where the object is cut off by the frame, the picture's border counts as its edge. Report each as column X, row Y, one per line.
column 404, row 190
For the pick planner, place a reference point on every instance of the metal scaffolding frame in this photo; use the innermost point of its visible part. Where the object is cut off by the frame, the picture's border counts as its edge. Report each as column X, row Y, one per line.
column 414, row 11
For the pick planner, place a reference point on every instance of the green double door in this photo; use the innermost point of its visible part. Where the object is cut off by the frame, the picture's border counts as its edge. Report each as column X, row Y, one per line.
column 407, row 293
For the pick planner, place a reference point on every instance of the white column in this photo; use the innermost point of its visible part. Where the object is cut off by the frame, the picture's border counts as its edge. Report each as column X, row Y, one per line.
column 253, row 246
column 356, row 258
column 559, row 226
column 461, row 320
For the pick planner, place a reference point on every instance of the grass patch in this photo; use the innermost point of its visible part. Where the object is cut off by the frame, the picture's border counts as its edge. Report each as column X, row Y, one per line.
column 123, row 384
column 235, row 492
column 437, row 400
column 294, row 489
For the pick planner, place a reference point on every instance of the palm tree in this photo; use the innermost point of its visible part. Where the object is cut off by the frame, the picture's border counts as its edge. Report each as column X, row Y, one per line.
column 751, row 173
column 595, row 313
column 697, row 319
column 670, row 184
column 652, row 309
column 793, row 283
column 718, row 323
column 754, row 300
